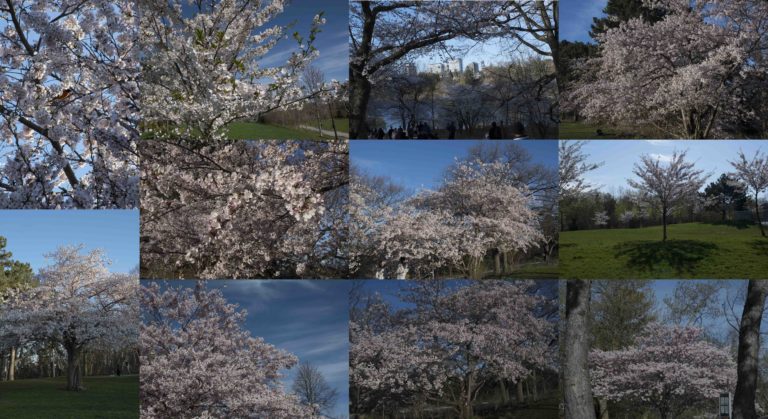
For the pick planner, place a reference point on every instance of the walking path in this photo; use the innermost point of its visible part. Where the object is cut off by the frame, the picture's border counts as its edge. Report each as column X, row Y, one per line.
column 325, row 132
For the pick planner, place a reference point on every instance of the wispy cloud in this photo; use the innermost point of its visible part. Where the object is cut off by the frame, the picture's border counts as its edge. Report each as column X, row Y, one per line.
column 660, row 142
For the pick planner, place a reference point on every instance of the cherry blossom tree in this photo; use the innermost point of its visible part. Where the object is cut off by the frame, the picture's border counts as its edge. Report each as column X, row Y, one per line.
column 601, row 218
column 198, row 360
column 244, row 209
column 78, row 304
column 667, row 184
column 69, row 104
column 754, row 173
column 478, row 209
column 668, row 369
column 202, row 67
column 451, row 343
column 688, row 75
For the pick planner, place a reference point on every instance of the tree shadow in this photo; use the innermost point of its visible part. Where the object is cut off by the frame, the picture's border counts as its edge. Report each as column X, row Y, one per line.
column 761, row 245
column 681, row 255
column 739, row 224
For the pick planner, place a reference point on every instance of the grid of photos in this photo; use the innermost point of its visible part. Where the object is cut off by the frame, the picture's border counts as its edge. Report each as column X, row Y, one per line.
column 382, row 209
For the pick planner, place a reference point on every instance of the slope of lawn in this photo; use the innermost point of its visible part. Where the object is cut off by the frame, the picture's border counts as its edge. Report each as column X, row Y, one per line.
column 103, row 397
column 585, row 131
column 257, row 131
column 692, row 250
column 342, row 124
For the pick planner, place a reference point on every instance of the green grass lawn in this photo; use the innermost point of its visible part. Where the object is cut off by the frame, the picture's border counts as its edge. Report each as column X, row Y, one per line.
column 583, row 131
column 103, row 397
column 535, row 271
column 257, row 131
column 342, row 124
column 692, row 250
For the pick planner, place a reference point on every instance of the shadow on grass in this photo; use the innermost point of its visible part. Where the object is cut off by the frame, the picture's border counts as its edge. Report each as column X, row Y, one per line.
column 761, row 245
column 741, row 224
column 681, row 255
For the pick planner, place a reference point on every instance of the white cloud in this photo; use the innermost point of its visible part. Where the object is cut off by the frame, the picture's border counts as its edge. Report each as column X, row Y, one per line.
column 661, row 157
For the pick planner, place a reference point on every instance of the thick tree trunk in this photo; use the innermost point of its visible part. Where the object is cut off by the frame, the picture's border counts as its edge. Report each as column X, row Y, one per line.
column 577, row 388
column 359, row 96
column 73, row 367
column 519, row 391
column 12, row 365
column 497, row 262
column 664, row 221
column 749, row 350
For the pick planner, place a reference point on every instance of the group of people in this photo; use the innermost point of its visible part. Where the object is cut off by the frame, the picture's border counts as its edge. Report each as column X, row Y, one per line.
column 422, row 131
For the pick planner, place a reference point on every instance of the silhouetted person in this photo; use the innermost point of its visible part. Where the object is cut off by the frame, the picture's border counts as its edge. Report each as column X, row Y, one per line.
column 400, row 134
column 495, row 132
column 380, row 134
column 451, row 131
column 118, row 371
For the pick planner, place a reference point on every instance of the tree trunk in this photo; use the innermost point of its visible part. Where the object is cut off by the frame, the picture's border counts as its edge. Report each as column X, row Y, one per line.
column 577, row 388
column 749, row 350
column 757, row 214
column 12, row 365
column 333, row 122
column 664, row 220
column 519, row 390
column 497, row 262
column 602, row 409
column 73, row 367
column 359, row 95
column 503, row 391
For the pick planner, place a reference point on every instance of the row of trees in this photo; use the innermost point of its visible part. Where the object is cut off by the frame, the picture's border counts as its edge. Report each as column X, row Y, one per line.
column 383, row 33
column 661, row 189
column 74, row 315
column 449, row 345
column 522, row 91
column 244, row 209
column 673, row 68
column 495, row 207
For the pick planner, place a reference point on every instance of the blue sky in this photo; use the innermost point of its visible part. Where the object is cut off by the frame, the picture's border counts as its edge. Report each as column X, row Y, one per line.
column 33, row 233
column 308, row 318
column 419, row 164
column 717, row 327
column 494, row 51
column 332, row 42
column 619, row 157
column 576, row 18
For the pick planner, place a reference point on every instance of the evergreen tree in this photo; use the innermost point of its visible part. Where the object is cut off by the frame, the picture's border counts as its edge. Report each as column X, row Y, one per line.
column 618, row 11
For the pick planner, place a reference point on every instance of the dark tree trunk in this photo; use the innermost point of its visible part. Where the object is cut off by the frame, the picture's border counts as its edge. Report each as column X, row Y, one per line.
column 749, row 350
column 757, row 214
column 577, row 388
column 74, row 353
column 664, row 220
column 360, row 94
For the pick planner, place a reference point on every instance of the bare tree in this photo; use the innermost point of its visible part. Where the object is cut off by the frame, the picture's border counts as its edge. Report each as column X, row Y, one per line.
column 312, row 79
column 749, row 350
column 667, row 185
column 313, row 390
column 755, row 174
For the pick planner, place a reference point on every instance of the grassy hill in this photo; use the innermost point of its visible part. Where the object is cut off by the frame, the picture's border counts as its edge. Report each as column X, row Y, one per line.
column 693, row 250
column 103, row 397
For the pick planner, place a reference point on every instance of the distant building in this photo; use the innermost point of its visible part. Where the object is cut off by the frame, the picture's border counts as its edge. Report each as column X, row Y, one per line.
column 410, row 69
column 474, row 67
column 455, row 66
column 438, row 68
